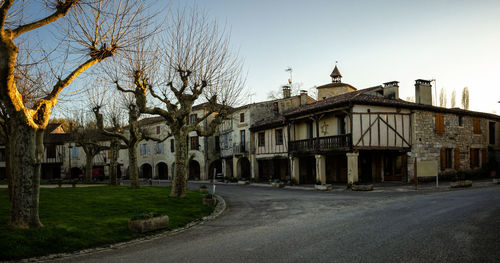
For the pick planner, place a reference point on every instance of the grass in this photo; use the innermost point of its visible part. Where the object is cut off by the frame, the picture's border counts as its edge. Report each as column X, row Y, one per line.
column 78, row 218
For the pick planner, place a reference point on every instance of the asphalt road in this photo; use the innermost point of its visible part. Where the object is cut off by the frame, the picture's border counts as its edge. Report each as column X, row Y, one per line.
column 284, row 225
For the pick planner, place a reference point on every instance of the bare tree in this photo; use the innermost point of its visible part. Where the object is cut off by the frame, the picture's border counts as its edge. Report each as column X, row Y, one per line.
column 198, row 67
column 98, row 29
column 453, row 98
column 87, row 136
column 465, row 98
column 442, row 98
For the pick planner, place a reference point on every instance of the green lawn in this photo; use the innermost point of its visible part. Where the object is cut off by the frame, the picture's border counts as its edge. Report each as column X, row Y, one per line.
column 77, row 218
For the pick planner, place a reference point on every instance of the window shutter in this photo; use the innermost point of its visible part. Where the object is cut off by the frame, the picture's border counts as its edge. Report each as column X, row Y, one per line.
column 443, row 159
column 439, row 123
column 477, row 125
column 457, row 158
column 472, row 158
column 484, row 155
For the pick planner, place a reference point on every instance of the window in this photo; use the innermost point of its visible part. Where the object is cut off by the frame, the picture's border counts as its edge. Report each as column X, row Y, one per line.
column 158, row 129
column 242, row 117
column 51, row 151
column 262, row 140
column 439, row 123
column 194, row 143
column 217, row 143
column 144, row 149
column 172, row 145
column 242, row 141
column 474, row 158
column 193, row 118
column 460, row 120
column 341, row 125
column 226, row 141
column 2, row 155
column 310, row 130
column 74, row 152
column 446, row 158
column 477, row 125
column 492, row 132
column 279, row 136
column 159, row 148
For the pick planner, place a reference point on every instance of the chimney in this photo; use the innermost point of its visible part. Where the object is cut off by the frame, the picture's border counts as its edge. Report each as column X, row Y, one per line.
column 286, row 92
column 303, row 97
column 391, row 90
column 423, row 92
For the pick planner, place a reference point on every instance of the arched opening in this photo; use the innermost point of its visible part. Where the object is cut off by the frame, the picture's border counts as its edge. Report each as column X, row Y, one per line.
column 162, row 171
column 194, row 170
column 146, row 171
column 76, row 172
column 244, row 168
column 215, row 168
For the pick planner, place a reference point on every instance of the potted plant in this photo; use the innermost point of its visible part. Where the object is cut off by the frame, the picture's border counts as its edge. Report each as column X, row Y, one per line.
column 357, row 186
column 147, row 222
column 203, row 189
column 460, row 179
column 277, row 183
column 322, row 187
column 209, row 199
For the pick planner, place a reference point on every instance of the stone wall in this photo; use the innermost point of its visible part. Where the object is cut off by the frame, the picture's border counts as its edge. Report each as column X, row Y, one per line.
column 427, row 144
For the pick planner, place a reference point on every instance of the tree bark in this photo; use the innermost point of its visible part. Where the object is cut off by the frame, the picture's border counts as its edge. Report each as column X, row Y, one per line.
column 25, row 156
column 133, row 170
column 88, row 166
column 179, row 182
column 113, row 161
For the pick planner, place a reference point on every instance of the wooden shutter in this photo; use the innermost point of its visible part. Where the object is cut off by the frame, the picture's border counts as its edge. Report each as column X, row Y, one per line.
column 457, row 158
column 443, row 158
column 439, row 123
column 477, row 125
column 484, row 155
column 472, row 158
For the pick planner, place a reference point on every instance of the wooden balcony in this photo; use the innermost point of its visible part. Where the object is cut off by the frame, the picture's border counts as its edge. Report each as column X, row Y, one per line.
column 321, row 144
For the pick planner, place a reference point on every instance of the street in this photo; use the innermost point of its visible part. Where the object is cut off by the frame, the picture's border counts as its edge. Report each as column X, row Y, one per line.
column 263, row 224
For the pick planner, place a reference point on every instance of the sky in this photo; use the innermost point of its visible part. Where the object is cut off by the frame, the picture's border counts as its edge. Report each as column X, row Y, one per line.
column 454, row 42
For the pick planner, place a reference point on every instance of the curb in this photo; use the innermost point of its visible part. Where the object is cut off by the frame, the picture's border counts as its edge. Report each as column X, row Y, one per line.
column 219, row 209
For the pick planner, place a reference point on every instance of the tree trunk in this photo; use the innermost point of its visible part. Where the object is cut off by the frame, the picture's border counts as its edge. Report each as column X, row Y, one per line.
column 25, row 160
column 179, row 182
column 8, row 167
column 88, row 166
column 113, row 161
column 133, row 170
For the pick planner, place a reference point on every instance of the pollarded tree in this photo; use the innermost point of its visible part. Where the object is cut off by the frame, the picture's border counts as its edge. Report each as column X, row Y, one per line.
column 89, row 138
column 198, row 67
column 98, row 28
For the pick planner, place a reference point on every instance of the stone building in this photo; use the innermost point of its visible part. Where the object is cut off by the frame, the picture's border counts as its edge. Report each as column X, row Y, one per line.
column 371, row 135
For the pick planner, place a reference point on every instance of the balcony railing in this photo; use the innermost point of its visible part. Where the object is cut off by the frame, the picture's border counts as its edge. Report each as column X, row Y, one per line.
column 241, row 148
column 321, row 144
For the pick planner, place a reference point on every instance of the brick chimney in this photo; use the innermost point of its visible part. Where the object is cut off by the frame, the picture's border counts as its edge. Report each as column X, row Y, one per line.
column 303, row 97
column 391, row 90
column 423, row 92
column 287, row 92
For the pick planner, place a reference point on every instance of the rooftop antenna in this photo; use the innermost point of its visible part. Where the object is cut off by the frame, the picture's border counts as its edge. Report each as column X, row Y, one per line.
column 289, row 69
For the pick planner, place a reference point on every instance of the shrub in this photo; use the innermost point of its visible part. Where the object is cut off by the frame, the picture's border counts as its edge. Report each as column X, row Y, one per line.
column 203, row 187
column 209, row 196
column 318, row 182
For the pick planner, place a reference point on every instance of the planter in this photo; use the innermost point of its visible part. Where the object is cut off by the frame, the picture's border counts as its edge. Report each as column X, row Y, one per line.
column 323, row 187
column 209, row 201
column 362, row 187
column 203, row 190
column 279, row 185
column 147, row 225
column 461, row 183
column 243, row 182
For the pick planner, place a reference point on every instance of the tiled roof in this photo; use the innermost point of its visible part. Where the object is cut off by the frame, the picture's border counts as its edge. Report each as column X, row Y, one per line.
column 359, row 97
column 269, row 123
